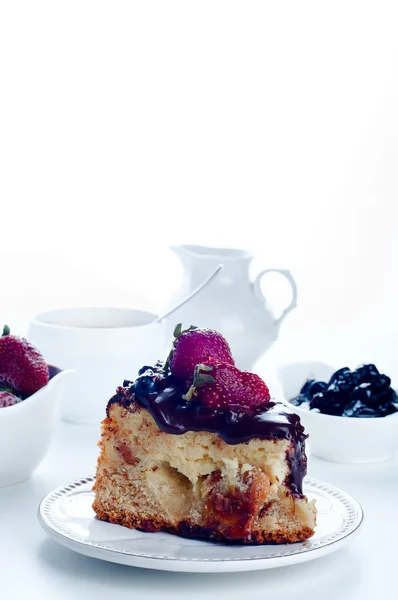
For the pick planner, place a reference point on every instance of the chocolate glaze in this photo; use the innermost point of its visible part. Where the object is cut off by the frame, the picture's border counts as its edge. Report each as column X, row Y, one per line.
column 161, row 394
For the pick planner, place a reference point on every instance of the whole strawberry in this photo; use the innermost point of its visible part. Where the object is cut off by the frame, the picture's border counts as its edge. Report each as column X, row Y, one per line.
column 22, row 366
column 223, row 386
column 194, row 346
column 8, row 399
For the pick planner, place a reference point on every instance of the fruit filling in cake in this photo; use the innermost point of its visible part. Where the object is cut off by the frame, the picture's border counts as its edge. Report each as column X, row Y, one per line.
column 197, row 447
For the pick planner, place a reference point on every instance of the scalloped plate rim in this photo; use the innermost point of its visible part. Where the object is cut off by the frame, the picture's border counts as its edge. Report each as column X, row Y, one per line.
column 200, row 564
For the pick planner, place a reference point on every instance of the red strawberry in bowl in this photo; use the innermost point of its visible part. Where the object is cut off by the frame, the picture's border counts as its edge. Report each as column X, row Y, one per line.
column 193, row 346
column 224, row 386
column 22, row 366
column 7, row 398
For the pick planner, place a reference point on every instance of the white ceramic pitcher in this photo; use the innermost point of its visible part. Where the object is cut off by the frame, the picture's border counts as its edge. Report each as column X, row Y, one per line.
column 231, row 303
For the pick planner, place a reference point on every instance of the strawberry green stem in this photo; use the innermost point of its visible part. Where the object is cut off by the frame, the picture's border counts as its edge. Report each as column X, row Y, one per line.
column 199, row 380
column 177, row 330
column 6, row 330
column 191, row 393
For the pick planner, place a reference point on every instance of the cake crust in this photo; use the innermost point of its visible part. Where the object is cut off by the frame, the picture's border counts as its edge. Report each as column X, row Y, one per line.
column 186, row 529
column 195, row 484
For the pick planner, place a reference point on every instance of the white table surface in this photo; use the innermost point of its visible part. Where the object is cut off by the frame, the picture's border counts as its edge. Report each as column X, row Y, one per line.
column 33, row 566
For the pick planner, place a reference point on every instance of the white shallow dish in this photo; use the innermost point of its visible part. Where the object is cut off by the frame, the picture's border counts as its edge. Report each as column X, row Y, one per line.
column 66, row 515
column 26, row 430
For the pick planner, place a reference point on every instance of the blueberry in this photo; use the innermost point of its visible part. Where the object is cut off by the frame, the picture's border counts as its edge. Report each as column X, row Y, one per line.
column 362, row 392
column 359, row 409
column 329, row 403
column 316, row 387
column 381, row 397
column 387, row 398
column 298, row 400
column 343, row 380
column 351, row 408
column 339, row 375
column 312, row 387
column 145, row 368
column 382, row 409
column 367, row 373
column 145, row 384
column 306, row 386
column 382, row 382
column 365, row 411
column 345, row 384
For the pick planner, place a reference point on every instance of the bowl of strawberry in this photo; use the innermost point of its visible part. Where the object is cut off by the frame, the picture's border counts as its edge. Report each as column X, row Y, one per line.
column 351, row 415
column 30, row 391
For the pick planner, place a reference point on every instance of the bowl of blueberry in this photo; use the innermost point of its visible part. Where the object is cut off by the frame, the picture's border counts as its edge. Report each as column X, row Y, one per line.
column 351, row 415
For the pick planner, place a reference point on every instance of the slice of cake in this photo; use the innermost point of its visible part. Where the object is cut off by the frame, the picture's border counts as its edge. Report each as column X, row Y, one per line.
column 209, row 455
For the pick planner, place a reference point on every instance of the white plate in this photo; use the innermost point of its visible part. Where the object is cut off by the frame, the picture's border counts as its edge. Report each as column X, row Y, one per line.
column 66, row 515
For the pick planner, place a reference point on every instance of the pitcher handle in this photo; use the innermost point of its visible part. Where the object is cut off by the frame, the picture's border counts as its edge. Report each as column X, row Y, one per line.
column 258, row 292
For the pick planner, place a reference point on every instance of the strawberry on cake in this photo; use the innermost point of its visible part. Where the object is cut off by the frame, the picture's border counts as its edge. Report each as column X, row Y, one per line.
column 197, row 447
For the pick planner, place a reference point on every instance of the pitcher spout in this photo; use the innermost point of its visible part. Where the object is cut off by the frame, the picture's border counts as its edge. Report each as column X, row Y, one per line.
column 200, row 254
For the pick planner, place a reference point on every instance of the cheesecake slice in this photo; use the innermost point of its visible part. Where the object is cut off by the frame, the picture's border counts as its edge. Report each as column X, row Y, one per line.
column 174, row 465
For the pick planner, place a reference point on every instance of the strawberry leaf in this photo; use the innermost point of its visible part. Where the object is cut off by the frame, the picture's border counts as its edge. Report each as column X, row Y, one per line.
column 199, row 380
column 177, row 330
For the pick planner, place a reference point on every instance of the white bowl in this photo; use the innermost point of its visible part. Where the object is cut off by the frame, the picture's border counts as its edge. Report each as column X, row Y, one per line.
column 334, row 438
column 26, row 430
column 105, row 345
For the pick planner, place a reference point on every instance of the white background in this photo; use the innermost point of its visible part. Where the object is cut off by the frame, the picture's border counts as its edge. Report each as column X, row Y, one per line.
column 128, row 126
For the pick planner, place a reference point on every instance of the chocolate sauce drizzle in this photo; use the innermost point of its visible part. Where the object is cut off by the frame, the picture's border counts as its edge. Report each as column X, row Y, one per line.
column 161, row 394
